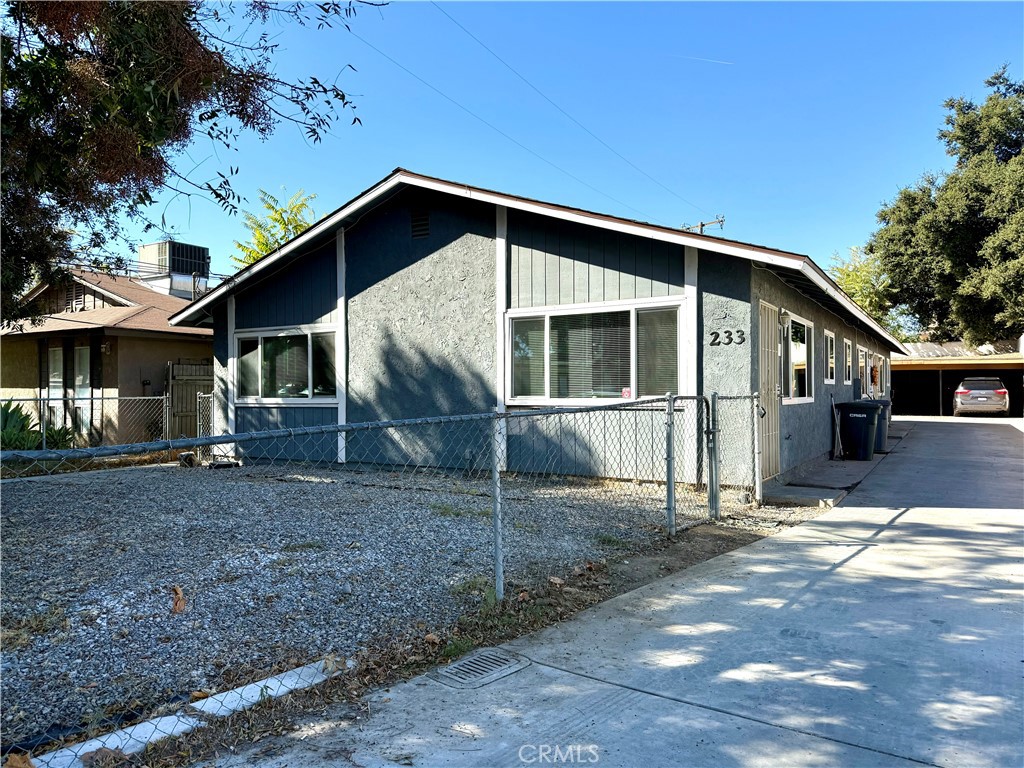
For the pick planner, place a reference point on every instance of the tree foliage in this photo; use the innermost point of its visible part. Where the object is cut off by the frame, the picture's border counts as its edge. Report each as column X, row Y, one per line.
column 953, row 245
column 100, row 99
column 863, row 278
column 277, row 227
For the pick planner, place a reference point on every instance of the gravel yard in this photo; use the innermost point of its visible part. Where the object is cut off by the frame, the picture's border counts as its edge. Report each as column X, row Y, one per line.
column 276, row 566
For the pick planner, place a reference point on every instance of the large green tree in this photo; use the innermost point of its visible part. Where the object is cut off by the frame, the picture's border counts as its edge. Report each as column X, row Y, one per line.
column 952, row 246
column 280, row 224
column 101, row 97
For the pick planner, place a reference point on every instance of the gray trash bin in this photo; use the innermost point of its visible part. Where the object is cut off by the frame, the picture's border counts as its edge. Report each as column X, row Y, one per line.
column 882, row 429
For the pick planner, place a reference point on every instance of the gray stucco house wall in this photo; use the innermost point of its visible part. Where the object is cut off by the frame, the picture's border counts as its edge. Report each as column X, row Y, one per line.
column 415, row 286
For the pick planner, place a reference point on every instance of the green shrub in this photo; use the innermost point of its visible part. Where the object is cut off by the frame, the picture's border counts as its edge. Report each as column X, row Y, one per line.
column 17, row 432
column 59, row 438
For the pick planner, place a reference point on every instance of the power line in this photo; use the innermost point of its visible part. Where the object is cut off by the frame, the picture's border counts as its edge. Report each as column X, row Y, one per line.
column 550, row 101
column 500, row 132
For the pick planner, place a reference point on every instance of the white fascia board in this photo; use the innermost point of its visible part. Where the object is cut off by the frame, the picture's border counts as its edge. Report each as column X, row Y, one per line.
column 41, row 287
column 109, row 294
column 809, row 271
column 269, row 260
column 651, row 232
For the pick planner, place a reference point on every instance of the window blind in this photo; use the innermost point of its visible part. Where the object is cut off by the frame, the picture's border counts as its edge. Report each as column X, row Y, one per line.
column 590, row 355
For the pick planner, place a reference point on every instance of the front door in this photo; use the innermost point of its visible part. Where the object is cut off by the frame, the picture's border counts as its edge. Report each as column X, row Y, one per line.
column 768, row 366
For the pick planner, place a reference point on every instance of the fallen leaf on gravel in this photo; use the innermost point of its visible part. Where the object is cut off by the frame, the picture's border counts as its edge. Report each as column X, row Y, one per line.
column 524, row 596
column 556, row 582
column 179, row 600
column 18, row 761
column 433, row 639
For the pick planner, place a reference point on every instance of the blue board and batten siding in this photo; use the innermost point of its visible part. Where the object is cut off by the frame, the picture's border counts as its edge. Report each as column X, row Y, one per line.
column 554, row 262
column 320, row 447
column 303, row 293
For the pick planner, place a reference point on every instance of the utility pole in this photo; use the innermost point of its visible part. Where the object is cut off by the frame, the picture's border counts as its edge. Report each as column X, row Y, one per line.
column 719, row 220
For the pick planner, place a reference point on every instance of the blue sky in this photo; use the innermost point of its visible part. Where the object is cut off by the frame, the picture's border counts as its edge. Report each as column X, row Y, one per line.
column 794, row 120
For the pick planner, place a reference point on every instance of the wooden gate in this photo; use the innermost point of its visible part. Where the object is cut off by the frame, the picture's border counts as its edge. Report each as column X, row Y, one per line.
column 184, row 382
column 768, row 367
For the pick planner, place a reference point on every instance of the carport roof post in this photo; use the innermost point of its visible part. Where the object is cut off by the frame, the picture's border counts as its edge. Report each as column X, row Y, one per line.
column 197, row 313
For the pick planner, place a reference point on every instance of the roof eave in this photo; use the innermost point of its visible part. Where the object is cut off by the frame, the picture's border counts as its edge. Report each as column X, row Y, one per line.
column 401, row 176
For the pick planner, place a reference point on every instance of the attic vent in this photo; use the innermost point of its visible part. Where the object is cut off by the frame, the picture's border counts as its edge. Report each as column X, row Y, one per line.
column 420, row 224
column 74, row 298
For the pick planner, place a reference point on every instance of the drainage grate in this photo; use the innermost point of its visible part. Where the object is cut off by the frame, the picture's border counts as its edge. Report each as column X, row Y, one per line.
column 479, row 668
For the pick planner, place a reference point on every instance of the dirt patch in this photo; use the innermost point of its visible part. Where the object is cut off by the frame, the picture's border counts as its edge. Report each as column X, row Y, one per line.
column 689, row 548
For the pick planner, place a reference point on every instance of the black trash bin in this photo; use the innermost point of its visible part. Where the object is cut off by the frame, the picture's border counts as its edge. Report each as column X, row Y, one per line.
column 882, row 430
column 857, row 424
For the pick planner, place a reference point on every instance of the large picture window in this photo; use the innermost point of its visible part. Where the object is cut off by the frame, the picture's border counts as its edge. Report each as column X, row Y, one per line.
column 286, row 366
column 606, row 355
column 798, row 359
column 590, row 355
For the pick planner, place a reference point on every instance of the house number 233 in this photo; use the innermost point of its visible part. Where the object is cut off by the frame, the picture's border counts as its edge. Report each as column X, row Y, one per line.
column 725, row 338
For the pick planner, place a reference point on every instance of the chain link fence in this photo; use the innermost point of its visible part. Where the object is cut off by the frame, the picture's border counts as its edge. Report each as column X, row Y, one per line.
column 152, row 590
column 65, row 422
column 204, row 424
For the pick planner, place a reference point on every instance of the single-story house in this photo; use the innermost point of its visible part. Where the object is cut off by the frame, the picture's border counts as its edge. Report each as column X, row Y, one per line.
column 925, row 378
column 106, row 336
column 422, row 297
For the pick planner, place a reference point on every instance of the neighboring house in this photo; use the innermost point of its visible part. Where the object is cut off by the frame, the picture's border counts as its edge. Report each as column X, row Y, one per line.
column 106, row 336
column 925, row 379
column 422, row 297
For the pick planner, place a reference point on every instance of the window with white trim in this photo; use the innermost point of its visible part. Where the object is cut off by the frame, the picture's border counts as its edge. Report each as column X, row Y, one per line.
column 615, row 354
column 862, row 369
column 830, row 357
column 798, row 360
column 848, row 358
column 287, row 365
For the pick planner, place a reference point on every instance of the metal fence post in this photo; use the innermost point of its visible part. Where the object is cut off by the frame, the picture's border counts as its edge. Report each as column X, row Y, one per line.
column 499, row 566
column 756, row 441
column 42, row 419
column 670, row 464
column 714, row 499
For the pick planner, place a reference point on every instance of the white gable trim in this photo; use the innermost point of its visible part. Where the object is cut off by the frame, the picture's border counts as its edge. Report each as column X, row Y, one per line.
column 748, row 252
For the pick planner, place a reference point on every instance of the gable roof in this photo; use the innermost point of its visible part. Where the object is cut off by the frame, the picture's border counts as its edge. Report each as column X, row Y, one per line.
column 797, row 270
column 143, row 309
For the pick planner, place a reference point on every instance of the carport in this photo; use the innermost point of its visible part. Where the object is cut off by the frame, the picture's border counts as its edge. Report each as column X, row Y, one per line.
column 924, row 381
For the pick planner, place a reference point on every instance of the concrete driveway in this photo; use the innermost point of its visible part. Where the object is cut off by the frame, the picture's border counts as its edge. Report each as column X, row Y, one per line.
column 889, row 631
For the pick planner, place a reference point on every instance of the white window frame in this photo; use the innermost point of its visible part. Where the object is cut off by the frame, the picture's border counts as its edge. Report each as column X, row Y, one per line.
column 865, row 380
column 547, row 312
column 830, row 357
column 847, row 361
column 298, row 330
column 789, row 400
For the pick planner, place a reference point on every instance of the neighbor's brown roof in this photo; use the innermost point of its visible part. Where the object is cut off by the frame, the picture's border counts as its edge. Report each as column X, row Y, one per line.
column 148, row 310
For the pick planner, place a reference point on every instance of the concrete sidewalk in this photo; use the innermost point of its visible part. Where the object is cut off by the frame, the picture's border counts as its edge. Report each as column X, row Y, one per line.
column 885, row 632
